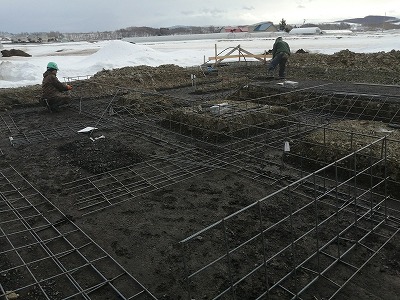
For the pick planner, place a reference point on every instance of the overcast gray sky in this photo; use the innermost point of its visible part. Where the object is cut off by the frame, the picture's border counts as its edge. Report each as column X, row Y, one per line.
column 105, row 15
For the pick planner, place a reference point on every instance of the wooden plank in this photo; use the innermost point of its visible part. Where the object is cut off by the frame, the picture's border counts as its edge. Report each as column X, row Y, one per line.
column 239, row 56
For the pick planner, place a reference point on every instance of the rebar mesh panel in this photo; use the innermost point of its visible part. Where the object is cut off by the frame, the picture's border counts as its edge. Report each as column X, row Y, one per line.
column 15, row 127
column 107, row 189
column 314, row 230
column 46, row 255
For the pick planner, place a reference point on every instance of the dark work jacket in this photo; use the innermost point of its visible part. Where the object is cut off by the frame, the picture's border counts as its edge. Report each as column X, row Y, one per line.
column 280, row 46
column 51, row 86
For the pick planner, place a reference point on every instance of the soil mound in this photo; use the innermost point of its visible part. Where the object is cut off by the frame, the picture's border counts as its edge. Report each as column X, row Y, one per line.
column 14, row 52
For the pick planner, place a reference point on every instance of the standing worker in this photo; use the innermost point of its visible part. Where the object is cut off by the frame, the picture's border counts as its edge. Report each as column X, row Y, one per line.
column 280, row 56
column 52, row 89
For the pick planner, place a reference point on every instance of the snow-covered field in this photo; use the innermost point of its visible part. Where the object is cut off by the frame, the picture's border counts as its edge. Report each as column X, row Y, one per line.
column 84, row 58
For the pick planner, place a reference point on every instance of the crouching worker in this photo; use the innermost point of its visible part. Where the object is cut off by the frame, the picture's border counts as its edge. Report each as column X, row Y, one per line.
column 52, row 89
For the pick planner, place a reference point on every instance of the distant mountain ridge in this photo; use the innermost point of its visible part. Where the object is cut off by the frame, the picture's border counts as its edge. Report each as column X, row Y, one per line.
column 371, row 20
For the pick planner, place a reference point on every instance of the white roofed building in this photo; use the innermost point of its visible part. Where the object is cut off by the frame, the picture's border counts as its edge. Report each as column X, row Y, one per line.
column 306, row 30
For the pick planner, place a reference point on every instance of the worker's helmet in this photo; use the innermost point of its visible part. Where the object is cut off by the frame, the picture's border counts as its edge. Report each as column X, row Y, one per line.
column 52, row 65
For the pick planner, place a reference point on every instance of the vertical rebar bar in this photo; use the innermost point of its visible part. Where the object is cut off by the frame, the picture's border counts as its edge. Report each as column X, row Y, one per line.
column 263, row 248
column 371, row 186
column 186, row 268
column 228, row 259
column 354, row 188
column 316, row 224
column 386, row 178
column 292, row 238
column 337, row 209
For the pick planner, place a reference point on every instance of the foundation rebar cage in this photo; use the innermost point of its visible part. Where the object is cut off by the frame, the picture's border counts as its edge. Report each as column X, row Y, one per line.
column 309, row 239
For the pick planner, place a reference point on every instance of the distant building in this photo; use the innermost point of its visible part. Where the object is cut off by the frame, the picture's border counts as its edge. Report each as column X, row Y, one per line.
column 259, row 27
column 263, row 27
column 235, row 29
column 306, row 30
column 336, row 32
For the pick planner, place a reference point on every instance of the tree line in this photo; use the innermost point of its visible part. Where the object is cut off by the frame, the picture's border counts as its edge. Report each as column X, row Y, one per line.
column 110, row 35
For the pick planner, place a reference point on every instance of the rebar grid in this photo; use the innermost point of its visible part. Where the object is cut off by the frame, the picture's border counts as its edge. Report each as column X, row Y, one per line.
column 235, row 155
column 299, row 108
column 325, row 101
column 45, row 255
column 311, row 106
column 98, row 192
column 108, row 189
column 349, row 200
column 338, row 217
column 23, row 136
column 297, row 237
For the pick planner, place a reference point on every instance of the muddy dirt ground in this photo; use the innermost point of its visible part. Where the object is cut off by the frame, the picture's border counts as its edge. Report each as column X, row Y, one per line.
column 143, row 232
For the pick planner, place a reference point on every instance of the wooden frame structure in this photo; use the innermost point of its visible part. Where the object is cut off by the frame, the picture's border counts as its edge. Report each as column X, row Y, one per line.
column 241, row 54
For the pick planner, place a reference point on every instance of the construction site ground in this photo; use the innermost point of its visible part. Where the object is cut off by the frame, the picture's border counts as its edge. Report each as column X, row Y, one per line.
column 165, row 182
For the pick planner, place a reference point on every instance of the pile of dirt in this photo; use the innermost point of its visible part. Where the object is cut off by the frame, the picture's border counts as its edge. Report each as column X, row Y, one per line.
column 102, row 156
column 345, row 65
column 14, row 52
column 380, row 61
column 237, row 118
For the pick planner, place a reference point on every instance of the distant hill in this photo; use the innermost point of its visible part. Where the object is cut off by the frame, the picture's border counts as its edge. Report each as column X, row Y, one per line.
column 372, row 20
